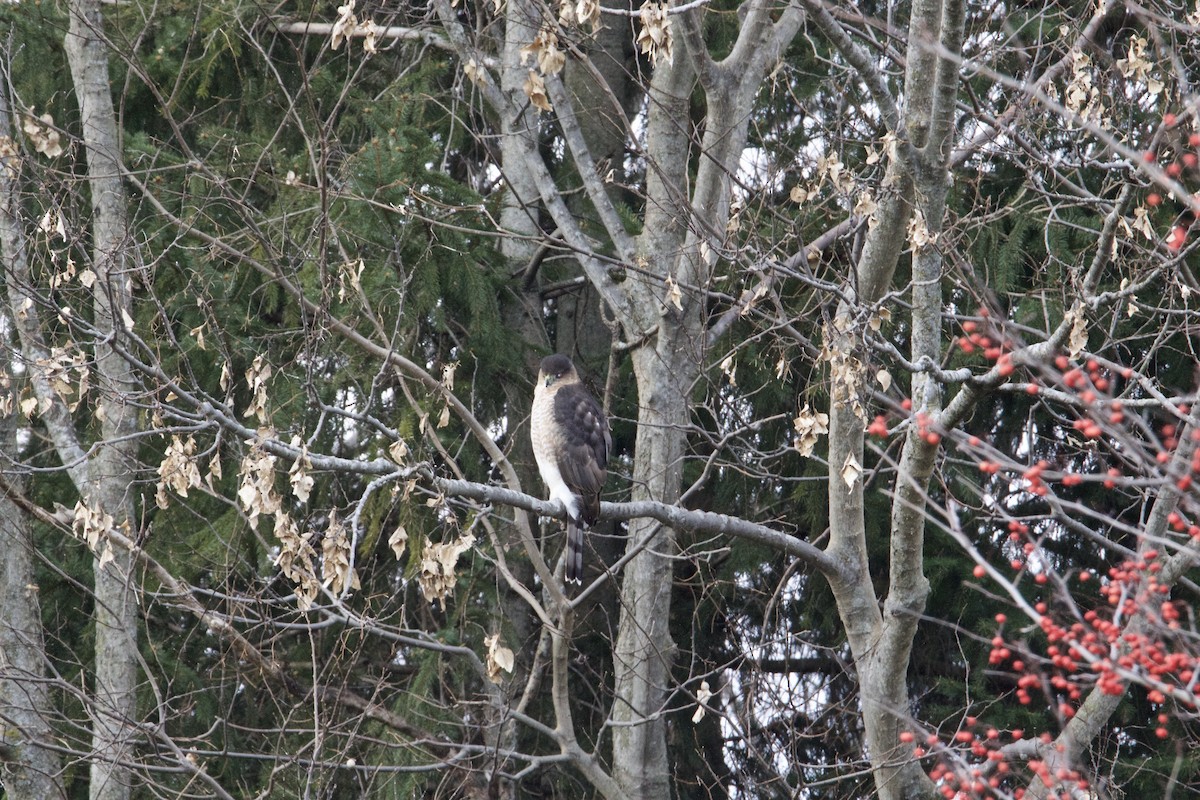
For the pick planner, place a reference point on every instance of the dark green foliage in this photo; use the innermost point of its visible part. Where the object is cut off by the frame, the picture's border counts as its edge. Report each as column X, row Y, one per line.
column 380, row 233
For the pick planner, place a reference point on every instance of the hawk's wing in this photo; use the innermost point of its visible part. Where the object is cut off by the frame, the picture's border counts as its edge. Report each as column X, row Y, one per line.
column 583, row 446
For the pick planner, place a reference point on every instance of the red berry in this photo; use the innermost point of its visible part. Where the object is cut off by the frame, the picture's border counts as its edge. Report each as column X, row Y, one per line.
column 878, row 427
column 1176, row 239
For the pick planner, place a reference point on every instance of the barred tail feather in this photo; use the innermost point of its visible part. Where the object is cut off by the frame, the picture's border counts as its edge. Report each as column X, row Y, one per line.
column 574, row 552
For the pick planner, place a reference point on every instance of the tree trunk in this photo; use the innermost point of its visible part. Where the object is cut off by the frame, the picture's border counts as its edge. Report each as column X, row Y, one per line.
column 606, row 82
column 680, row 215
column 28, row 770
column 513, row 620
column 882, row 642
column 644, row 650
column 643, row 653
column 113, row 467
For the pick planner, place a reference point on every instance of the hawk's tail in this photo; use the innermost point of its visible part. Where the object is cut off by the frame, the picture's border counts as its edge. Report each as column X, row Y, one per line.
column 574, row 552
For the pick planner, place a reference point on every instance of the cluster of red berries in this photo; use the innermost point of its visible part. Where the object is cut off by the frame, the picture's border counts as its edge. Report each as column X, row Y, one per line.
column 1089, row 382
column 1102, row 648
column 974, row 338
column 1180, row 158
column 973, row 763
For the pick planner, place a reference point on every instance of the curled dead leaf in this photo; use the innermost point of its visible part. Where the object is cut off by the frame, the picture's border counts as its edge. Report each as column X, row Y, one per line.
column 674, row 294
column 475, row 72
column 810, row 427
column 437, row 577
column 545, row 52
column 851, row 471
column 535, row 90
column 1077, row 341
column 655, row 38
column 703, row 695
column 587, row 12
column 42, row 135
column 499, row 658
column 398, row 541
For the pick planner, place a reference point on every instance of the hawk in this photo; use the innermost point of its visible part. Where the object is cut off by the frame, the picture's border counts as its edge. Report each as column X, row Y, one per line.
column 570, row 442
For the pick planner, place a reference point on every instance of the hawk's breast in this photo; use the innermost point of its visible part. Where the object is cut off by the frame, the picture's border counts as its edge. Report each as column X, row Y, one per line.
column 546, row 437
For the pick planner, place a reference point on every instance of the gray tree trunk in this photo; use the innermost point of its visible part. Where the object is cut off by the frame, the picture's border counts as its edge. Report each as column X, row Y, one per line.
column 607, row 77
column 643, row 653
column 28, row 769
column 918, row 177
column 680, row 215
column 113, row 466
column 644, row 649
column 513, row 619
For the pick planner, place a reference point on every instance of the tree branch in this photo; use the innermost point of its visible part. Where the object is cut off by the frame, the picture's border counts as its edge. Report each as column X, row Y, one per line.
column 704, row 522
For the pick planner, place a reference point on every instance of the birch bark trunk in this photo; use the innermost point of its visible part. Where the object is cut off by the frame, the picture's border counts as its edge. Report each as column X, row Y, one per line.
column 113, row 466
column 28, row 769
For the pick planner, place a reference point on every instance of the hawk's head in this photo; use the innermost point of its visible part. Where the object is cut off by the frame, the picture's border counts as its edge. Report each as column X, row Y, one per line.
column 556, row 368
